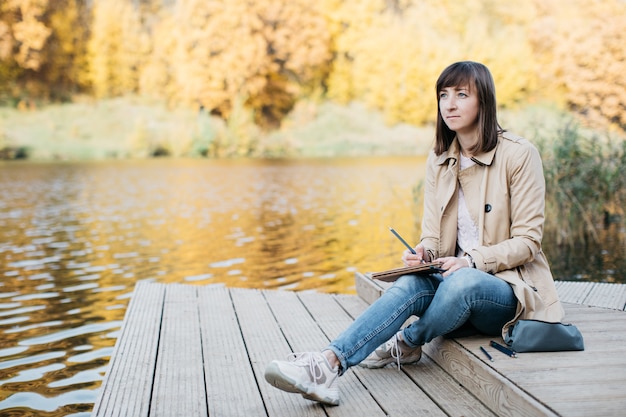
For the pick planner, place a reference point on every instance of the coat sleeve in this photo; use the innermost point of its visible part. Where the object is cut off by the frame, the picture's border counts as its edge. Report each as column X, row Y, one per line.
column 430, row 218
column 526, row 191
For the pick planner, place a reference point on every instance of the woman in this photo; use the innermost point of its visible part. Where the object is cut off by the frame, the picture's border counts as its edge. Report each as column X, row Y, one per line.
column 483, row 220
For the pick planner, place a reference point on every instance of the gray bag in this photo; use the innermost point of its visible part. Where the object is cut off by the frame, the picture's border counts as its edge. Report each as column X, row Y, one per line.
column 543, row 336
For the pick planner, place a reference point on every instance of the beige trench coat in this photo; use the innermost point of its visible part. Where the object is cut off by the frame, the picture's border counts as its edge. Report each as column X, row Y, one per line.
column 505, row 194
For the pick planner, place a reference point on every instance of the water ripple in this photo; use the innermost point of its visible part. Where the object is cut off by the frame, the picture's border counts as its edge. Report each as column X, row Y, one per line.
column 75, row 238
column 65, row 334
column 34, row 401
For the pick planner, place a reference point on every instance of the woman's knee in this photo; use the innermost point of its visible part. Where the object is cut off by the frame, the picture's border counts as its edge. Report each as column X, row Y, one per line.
column 463, row 281
column 475, row 284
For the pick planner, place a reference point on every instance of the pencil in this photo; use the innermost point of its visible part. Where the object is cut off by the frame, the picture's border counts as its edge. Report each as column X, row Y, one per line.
column 486, row 354
column 503, row 349
column 402, row 240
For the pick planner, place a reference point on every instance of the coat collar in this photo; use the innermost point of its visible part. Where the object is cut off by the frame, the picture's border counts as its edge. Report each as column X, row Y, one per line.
column 452, row 155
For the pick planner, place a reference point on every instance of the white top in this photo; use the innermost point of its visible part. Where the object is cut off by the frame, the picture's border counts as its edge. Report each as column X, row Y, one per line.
column 467, row 231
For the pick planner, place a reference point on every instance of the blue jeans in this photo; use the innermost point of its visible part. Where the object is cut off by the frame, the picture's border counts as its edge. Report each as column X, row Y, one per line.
column 468, row 298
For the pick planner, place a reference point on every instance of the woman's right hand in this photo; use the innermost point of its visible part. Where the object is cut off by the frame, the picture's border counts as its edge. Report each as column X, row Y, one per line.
column 419, row 257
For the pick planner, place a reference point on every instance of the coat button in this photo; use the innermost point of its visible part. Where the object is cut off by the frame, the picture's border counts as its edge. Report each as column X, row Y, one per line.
column 487, row 208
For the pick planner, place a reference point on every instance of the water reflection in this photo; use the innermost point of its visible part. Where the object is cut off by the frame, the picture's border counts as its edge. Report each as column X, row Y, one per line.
column 75, row 238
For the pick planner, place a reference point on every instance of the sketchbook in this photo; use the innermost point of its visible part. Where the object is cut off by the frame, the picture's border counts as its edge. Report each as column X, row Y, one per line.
column 393, row 274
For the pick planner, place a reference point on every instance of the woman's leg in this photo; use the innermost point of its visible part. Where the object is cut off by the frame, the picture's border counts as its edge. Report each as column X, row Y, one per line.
column 410, row 295
column 442, row 304
column 484, row 300
column 315, row 374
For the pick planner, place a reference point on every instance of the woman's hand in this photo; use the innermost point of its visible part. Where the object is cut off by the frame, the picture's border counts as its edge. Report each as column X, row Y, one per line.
column 451, row 264
column 419, row 257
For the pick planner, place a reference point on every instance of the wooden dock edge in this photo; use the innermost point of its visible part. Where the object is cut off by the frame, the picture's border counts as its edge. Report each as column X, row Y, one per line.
column 497, row 393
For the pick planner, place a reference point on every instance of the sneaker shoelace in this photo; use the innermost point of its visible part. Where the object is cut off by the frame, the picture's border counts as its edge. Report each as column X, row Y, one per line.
column 308, row 359
column 394, row 349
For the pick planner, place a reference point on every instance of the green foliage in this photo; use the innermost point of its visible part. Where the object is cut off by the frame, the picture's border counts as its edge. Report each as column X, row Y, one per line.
column 585, row 184
column 238, row 136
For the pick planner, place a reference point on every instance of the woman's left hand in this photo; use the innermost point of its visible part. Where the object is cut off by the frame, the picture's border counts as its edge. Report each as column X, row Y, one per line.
column 451, row 264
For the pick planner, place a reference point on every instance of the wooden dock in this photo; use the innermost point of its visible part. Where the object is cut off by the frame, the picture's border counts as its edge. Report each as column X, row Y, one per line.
column 202, row 350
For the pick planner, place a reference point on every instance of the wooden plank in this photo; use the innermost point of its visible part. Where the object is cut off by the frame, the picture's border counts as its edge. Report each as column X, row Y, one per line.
column 368, row 289
column 454, row 399
column 299, row 328
column 127, row 386
column 512, row 387
column 303, row 330
column 498, row 393
column 232, row 389
column 607, row 295
column 573, row 292
column 265, row 341
column 397, row 394
column 171, row 346
column 588, row 378
column 179, row 389
column 592, row 376
column 597, row 294
column 605, row 407
column 586, row 403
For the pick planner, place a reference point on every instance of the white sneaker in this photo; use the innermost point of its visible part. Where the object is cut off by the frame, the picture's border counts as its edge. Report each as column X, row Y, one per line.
column 308, row 373
column 394, row 350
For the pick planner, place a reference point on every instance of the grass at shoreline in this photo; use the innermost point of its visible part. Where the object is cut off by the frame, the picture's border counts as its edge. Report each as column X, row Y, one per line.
column 133, row 127
column 138, row 128
column 89, row 130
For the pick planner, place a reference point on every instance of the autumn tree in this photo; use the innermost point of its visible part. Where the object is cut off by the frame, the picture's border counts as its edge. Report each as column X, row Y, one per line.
column 117, row 48
column 65, row 66
column 389, row 53
column 42, row 47
column 23, row 36
column 265, row 52
column 583, row 58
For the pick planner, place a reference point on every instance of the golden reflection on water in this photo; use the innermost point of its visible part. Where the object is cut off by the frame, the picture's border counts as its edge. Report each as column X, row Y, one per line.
column 75, row 238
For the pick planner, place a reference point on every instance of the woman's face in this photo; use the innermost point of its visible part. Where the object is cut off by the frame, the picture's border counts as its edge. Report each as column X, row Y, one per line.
column 459, row 108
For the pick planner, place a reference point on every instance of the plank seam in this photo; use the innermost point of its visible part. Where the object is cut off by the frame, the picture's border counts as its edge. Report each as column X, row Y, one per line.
column 204, row 361
column 158, row 345
column 245, row 346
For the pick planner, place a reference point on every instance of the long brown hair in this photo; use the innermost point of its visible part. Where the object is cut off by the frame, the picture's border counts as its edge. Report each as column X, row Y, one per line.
column 478, row 77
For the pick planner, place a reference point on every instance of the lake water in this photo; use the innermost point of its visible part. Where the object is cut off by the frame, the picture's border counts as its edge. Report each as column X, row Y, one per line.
column 75, row 238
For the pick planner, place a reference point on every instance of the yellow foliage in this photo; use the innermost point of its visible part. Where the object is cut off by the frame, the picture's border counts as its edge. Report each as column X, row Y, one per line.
column 390, row 53
column 156, row 79
column 588, row 57
column 116, row 48
column 28, row 35
column 266, row 51
column 67, row 59
column 270, row 53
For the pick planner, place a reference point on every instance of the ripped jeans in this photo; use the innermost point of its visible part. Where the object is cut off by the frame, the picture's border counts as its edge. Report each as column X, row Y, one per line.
column 467, row 299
